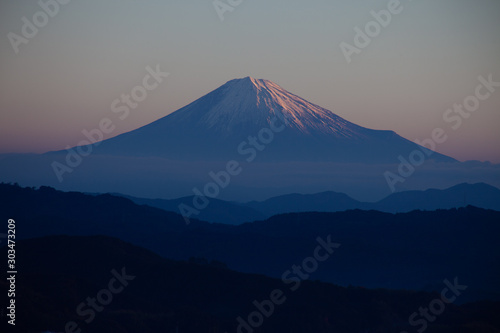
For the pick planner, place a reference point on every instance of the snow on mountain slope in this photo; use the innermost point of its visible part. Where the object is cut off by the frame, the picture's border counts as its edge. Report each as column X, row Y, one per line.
column 248, row 100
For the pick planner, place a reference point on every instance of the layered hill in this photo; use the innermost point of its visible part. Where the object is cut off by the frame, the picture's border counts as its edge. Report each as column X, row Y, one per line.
column 415, row 250
column 62, row 273
column 479, row 195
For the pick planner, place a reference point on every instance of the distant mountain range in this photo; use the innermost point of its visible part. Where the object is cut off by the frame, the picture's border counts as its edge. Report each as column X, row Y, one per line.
column 415, row 250
column 61, row 273
column 478, row 195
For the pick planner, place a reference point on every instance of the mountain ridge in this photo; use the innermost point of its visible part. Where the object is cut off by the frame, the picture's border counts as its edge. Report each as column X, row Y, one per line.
column 163, row 295
column 481, row 195
column 412, row 250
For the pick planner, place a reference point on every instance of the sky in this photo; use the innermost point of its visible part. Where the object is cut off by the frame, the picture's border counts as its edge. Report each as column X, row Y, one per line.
column 64, row 78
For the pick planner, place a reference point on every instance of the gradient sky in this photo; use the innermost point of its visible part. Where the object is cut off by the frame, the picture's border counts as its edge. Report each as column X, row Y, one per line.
column 428, row 58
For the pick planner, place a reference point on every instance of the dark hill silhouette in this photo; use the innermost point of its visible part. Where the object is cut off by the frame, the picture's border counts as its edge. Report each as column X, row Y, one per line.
column 415, row 250
column 217, row 211
column 60, row 272
column 479, row 195
column 320, row 202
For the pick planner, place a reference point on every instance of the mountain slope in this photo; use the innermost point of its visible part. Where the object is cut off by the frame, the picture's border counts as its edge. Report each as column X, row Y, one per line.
column 217, row 210
column 162, row 295
column 294, row 203
column 479, row 195
column 286, row 127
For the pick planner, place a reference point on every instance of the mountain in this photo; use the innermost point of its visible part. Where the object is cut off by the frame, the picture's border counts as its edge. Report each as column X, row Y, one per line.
column 415, row 250
column 217, row 211
column 479, row 195
column 293, row 203
column 160, row 295
column 276, row 141
column 219, row 126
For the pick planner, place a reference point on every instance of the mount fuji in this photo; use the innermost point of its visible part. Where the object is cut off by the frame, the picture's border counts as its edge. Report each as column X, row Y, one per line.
column 294, row 146
column 247, row 116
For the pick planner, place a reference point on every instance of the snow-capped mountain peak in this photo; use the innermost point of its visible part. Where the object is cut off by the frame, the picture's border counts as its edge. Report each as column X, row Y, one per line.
column 216, row 125
column 256, row 101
